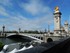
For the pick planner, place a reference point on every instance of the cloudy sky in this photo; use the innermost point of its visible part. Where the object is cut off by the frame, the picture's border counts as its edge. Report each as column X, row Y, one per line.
column 31, row 14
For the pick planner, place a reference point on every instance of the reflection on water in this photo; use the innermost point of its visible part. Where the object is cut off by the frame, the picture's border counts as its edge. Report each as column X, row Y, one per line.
column 6, row 41
column 15, row 39
column 10, row 41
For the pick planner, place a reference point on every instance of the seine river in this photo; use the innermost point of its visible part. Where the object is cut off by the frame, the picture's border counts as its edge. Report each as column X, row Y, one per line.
column 14, row 40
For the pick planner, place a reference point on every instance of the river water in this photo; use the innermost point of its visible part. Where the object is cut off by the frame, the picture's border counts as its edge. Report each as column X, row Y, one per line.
column 6, row 41
column 14, row 40
column 10, row 41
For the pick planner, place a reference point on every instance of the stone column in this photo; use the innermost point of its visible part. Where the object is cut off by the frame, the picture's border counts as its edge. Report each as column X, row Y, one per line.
column 57, row 20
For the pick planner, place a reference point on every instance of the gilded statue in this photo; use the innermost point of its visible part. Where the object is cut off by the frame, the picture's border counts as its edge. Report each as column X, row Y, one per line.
column 56, row 8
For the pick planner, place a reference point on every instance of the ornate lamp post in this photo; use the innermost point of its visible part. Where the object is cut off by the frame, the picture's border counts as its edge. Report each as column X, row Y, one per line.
column 19, row 30
column 3, row 30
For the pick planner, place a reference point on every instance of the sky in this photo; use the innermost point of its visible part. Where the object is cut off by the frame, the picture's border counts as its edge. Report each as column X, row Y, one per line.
column 32, row 14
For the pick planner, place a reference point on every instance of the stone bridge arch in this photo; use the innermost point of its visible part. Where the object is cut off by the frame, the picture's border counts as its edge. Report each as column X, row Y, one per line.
column 53, row 38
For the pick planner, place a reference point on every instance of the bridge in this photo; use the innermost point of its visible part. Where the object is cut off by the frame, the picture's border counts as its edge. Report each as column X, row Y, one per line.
column 59, row 43
column 25, row 35
column 40, row 37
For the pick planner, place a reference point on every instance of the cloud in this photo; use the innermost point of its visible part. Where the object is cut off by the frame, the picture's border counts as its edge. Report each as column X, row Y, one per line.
column 3, row 11
column 35, row 7
column 42, row 16
column 19, row 21
column 5, row 2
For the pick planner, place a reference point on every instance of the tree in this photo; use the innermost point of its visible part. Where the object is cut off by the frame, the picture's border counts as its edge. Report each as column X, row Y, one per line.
column 1, row 46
